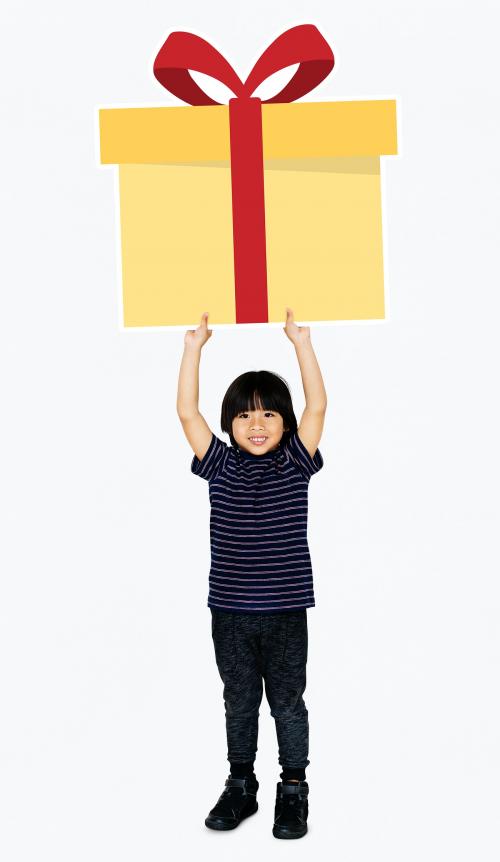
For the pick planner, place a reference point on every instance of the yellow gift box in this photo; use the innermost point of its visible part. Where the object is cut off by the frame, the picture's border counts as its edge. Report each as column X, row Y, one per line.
column 323, row 219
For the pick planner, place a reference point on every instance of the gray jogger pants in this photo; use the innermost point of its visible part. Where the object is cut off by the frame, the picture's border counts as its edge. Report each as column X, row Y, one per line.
column 252, row 648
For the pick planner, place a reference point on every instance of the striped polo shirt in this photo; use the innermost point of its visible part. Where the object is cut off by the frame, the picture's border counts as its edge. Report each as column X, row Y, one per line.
column 260, row 561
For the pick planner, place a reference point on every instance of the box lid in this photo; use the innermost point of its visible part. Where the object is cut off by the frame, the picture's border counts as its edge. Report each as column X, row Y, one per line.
column 186, row 134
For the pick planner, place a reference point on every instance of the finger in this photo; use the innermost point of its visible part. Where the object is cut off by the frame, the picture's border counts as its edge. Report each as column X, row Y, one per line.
column 204, row 318
column 289, row 315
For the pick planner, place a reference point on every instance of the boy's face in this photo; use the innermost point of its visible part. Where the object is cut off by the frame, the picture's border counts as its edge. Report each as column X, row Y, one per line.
column 258, row 424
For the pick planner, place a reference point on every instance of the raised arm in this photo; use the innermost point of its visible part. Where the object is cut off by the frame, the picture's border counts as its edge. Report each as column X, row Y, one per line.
column 195, row 428
column 311, row 425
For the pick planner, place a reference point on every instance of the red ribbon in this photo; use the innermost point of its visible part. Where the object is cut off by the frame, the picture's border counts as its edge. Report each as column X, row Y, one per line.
column 185, row 51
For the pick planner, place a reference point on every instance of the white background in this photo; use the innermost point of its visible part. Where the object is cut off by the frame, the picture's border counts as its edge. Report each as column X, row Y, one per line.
column 112, row 736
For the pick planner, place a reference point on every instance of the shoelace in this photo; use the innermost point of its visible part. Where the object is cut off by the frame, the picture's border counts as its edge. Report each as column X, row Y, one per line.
column 229, row 791
column 290, row 798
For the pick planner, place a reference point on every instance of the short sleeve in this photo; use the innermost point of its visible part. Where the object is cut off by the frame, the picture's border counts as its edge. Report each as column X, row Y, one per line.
column 211, row 462
column 301, row 457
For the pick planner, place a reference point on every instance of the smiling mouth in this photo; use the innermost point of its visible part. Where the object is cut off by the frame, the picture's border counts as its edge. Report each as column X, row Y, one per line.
column 257, row 441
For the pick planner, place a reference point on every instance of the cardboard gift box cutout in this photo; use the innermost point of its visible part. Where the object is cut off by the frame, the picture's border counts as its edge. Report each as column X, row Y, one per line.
column 246, row 208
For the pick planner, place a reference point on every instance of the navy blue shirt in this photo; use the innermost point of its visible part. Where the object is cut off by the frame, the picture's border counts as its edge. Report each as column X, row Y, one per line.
column 260, row 561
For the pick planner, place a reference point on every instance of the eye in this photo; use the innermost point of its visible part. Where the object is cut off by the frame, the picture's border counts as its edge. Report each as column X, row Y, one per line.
column 267, row 413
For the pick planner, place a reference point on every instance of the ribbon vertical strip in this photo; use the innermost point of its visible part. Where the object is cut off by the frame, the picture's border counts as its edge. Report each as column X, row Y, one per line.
column 249, row 221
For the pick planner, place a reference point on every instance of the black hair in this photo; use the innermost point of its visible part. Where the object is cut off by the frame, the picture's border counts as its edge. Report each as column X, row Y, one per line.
column 256, row 389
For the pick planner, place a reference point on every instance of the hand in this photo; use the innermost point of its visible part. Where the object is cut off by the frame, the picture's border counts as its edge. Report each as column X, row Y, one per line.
column 196, row 338
column 296, row 334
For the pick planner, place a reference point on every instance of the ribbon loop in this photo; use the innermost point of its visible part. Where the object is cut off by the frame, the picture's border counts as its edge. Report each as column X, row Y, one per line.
column 184, row 51
column 303, row 44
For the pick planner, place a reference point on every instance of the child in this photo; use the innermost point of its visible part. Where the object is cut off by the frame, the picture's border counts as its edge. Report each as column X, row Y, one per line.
column 260, row 582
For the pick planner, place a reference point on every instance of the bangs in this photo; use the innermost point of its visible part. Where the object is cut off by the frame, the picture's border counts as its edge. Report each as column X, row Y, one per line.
column 263, row 398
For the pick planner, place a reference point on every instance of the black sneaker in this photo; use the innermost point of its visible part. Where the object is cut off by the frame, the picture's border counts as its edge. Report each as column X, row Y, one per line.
column 291, row 809
column 237, row 801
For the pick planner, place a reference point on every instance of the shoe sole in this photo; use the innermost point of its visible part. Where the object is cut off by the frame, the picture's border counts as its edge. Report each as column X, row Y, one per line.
column 223, row 827
column 283, row 833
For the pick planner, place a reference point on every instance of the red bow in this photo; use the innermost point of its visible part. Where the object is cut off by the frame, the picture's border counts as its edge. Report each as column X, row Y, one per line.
column 184, row 51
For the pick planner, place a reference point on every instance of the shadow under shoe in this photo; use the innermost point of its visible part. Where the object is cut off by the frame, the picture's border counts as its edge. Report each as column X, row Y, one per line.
column 237, row 801
column 291, row 809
